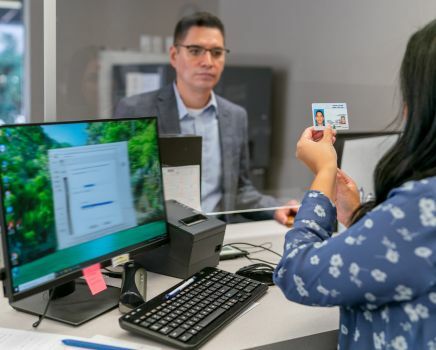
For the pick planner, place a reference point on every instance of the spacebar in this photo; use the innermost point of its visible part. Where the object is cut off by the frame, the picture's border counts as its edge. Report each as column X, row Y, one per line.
column 211, row 317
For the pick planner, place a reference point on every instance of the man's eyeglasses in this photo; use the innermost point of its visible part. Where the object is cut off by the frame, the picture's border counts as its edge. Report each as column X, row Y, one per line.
column 197, row 51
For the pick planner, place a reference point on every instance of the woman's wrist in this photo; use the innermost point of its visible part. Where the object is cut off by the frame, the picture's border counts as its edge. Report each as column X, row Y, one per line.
column 325, row 181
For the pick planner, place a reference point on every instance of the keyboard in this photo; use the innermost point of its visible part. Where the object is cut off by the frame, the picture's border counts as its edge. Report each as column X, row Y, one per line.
column 188, row 314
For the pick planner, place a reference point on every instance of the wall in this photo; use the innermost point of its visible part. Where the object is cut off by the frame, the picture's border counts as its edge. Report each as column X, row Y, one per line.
column 333, row 51
column 83, row 28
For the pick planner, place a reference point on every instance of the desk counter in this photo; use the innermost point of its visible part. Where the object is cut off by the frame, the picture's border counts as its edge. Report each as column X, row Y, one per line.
column 273, row 320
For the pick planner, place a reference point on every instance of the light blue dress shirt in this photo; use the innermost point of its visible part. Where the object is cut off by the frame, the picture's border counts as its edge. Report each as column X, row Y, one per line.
column 204, row 123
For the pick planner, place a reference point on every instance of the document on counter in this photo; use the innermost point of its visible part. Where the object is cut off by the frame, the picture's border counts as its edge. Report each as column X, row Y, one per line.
column 182, row 183
column 16, row 339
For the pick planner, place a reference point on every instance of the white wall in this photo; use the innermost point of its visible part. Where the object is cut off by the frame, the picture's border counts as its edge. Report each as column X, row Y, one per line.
column 323, row 51
column 83, row 28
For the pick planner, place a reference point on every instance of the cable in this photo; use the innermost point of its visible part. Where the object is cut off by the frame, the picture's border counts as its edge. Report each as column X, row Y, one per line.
column 113, row 274
column 41, row 317
column 262, row 248
column 255, row 246
column 261, row 260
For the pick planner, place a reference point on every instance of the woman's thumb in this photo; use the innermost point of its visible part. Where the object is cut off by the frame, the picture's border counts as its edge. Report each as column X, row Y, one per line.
column 328, row 134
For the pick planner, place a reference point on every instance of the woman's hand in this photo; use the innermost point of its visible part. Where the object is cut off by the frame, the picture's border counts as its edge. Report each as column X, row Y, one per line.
column 347, row 197
column 315, row 149
column 320, row 156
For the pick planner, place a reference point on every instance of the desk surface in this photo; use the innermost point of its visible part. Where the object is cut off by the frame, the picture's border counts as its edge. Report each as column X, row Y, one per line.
column 273, row 320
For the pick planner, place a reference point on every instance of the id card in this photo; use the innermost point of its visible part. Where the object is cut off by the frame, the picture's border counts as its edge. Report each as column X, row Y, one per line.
column 334, row 114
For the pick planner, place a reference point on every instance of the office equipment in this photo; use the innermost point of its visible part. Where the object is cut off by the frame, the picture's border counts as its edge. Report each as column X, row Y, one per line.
column 211, row 299
column 260, row 272
column 229, row 252
column 181, row 168
column 72, row 195
column 180, row 150
column 90, row 345
column 359, row 153
column 133, row 287
column 194, row 243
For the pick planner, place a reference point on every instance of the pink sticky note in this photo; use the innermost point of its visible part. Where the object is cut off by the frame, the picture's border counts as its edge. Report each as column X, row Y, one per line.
column 94, row 279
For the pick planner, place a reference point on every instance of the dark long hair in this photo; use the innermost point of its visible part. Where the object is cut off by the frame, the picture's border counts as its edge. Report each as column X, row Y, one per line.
column 413, row 157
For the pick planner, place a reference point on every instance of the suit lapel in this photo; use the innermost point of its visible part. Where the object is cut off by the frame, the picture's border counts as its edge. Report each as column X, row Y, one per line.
column 167, row 111
column 226, row 143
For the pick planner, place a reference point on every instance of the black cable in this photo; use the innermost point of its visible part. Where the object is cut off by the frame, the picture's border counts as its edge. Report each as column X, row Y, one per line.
column 41, row 317
column 261, row 260
column 264, row 247
column 255, row 246
column 113, row 274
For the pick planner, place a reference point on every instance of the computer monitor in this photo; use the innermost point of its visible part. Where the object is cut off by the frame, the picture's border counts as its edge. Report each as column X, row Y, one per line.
column 72, row 195
column 359, row 153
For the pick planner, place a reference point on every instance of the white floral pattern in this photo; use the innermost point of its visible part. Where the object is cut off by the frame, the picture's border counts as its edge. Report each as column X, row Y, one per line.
column 378, row 271
column 350, row 240
column 423, row 252
column 399, row 343
column 427, row 207
column 403, row 293
column 368, row 223
column 378, row 275
column 319, row 210
column 314, row 260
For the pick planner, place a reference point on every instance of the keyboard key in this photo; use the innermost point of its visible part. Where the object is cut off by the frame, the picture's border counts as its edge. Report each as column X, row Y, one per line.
column 175, row 333
column 217, row 313
column 165, row 330
column 185, row 337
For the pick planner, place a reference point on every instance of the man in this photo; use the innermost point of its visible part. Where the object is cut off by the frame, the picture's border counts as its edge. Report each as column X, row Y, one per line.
column 189, row 106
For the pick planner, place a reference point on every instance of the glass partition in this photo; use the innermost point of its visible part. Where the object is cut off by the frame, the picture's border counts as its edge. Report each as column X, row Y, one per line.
column 107, row 50
column 11, row 62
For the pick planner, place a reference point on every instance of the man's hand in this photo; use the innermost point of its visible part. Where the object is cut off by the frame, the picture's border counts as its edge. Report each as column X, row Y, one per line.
column 286, row 216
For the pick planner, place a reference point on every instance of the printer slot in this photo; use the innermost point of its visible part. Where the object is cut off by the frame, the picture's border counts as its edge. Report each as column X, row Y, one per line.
column 193, row 220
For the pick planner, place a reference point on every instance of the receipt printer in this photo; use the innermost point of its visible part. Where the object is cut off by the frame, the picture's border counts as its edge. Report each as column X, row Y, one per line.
column 195, row 241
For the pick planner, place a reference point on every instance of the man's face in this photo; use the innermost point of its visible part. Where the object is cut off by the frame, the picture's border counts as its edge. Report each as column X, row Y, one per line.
column 198, row 73
column 319, row 118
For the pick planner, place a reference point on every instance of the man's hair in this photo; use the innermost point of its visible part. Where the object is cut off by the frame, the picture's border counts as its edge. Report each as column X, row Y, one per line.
column 198, row 19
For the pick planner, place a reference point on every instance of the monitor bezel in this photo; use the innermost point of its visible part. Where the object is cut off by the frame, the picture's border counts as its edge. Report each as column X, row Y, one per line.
column 104, row 260
column 346, row 136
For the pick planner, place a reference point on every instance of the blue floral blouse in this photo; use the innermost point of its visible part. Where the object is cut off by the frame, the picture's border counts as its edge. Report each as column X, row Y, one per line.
column 381, row 271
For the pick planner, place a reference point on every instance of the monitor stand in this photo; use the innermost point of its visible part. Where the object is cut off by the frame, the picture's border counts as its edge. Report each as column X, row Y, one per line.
column 75, row 308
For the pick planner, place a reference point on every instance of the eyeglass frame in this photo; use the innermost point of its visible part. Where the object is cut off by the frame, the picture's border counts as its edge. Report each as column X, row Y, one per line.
column 223, row 51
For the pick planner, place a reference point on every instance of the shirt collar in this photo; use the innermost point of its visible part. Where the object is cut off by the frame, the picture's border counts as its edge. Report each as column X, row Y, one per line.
column 183, row 111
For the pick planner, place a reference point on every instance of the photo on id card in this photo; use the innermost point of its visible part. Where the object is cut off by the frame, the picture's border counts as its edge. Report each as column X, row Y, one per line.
column 334, row 114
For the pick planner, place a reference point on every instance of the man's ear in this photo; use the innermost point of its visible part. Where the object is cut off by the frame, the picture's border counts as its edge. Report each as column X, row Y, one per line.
column 173, row 53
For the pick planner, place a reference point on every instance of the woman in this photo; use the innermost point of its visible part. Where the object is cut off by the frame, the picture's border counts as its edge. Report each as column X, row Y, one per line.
column 381, row 270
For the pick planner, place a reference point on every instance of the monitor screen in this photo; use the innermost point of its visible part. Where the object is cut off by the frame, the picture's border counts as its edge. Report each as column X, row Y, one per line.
column 77, row 193
column 358, row 155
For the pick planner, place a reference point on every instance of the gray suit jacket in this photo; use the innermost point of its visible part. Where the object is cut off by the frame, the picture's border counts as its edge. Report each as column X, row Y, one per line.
column 238, row 191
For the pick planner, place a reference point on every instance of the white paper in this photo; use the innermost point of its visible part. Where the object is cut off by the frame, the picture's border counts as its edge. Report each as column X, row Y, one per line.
column 102, row 339
column 182, row 183
column 137, row 83
column 14, row 339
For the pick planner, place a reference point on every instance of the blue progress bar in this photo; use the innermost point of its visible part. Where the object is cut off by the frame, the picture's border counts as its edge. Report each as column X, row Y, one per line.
column 96, row 204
